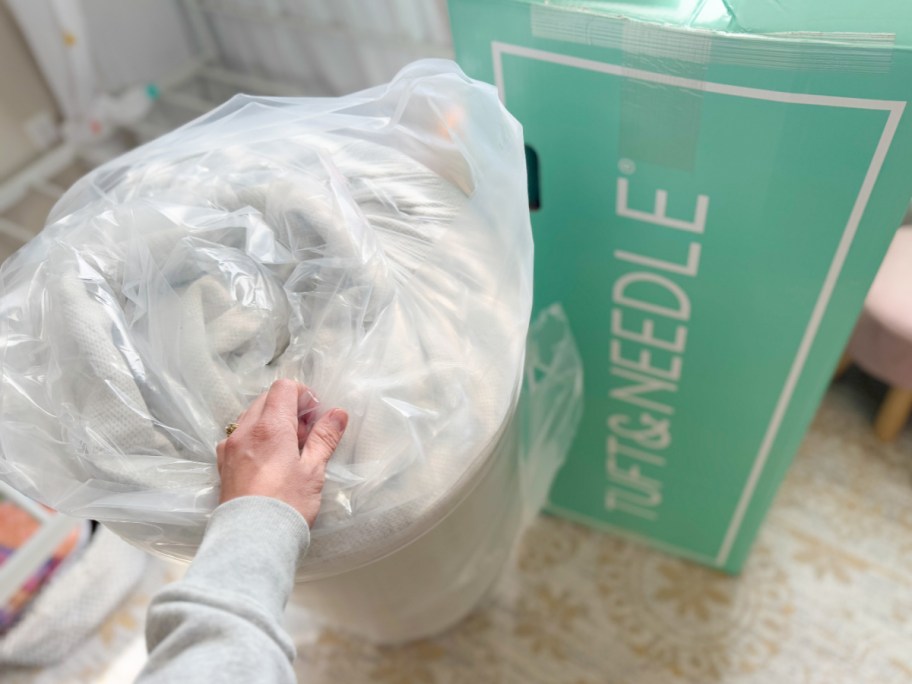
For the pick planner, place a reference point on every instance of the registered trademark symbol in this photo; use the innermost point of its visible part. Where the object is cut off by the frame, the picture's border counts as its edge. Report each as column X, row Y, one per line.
column 627, row 166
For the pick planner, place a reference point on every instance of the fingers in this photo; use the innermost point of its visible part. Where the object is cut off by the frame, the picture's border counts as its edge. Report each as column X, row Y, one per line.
column 324, row 437
column 253, row 412
column 282, row 400
column 278, row 399
column 292, row 403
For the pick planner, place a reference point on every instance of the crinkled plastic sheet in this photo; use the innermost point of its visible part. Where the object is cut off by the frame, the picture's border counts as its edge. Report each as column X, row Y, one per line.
column 376, row 247
column 448, row 566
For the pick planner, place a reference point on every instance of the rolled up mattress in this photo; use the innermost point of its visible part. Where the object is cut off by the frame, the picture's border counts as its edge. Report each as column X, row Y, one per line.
column 375, row 247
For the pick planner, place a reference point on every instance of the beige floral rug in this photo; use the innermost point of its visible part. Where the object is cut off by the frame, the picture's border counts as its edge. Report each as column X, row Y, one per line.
column 826, row 597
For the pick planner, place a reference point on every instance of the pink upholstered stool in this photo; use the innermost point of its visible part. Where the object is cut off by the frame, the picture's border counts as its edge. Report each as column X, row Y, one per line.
column 882, row 342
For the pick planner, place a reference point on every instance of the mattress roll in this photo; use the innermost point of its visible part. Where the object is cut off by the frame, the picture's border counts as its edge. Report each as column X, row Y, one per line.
column 375, row 247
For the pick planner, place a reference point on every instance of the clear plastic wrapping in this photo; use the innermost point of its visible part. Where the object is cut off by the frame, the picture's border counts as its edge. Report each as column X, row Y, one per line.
column 376, row 247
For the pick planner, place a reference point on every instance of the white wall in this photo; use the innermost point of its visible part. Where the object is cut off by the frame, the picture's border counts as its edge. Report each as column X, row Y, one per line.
column 23, row 94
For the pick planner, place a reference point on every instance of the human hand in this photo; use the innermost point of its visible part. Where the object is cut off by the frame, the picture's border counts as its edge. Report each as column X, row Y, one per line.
column 278, row 450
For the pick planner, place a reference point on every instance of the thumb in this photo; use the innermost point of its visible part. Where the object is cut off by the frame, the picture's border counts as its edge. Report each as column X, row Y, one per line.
column 324, row 437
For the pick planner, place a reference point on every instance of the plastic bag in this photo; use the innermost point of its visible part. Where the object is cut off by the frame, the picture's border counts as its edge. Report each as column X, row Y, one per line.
column 438, row 575
column 551, row 406
column 376, row 247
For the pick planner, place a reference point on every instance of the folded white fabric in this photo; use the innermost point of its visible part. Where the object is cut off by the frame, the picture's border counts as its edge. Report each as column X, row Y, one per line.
column 376, row 247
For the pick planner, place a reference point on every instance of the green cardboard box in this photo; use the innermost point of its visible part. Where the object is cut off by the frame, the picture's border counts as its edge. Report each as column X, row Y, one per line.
column 716, row 184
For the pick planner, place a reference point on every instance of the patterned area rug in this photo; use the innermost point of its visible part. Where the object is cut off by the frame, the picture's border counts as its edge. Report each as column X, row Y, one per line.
column 826, row 597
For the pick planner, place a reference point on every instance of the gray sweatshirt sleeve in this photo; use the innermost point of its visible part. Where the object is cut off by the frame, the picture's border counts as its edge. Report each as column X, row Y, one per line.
column 222, row 622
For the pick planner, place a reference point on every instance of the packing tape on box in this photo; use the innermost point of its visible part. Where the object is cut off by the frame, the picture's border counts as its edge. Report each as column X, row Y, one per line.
column 794, row 51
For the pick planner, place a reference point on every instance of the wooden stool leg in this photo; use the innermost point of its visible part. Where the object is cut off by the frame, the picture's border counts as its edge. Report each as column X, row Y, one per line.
column 844, row 364
column 893, row 413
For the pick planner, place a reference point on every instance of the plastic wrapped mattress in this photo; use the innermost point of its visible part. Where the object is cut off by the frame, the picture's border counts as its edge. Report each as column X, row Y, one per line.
column 375, row 247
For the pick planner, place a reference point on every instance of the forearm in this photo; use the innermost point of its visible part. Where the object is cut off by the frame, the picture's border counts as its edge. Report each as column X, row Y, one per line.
column 222, row 622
